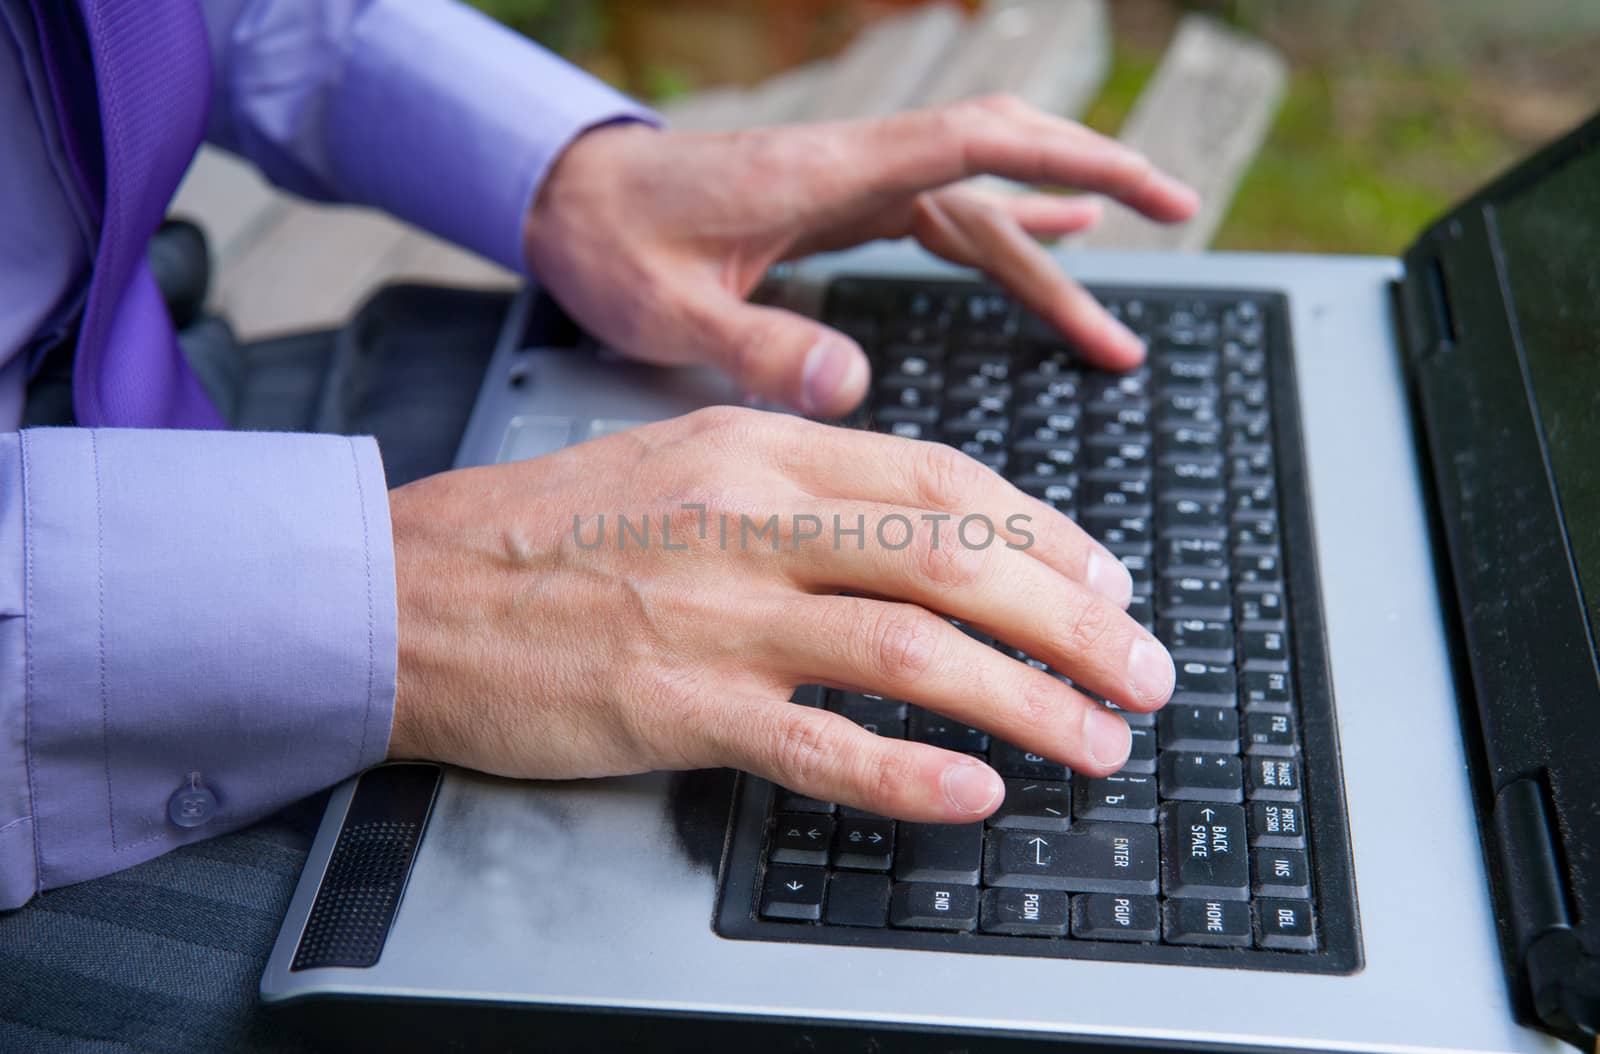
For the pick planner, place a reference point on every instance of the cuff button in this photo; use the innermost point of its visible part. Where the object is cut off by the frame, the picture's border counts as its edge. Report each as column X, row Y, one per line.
column 191, row 804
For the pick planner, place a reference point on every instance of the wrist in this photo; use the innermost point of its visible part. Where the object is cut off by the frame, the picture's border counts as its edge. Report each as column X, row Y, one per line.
column 595, row 155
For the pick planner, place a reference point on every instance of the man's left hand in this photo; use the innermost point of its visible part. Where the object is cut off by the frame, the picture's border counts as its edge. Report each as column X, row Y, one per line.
column 652, row 240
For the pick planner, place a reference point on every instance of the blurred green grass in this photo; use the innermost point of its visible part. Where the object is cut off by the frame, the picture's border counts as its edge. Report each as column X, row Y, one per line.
column 1366, row 149
column 1359, row 162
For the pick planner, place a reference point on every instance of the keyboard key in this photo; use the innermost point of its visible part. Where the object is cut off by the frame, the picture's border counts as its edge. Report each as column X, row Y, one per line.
column 1220, row 923
column 1132, row 532
column 1280, row 873
column 1254, row 497
column 1187, row 409
column 1277, row 825
column 863, row 708
column 1192, row 518
column 1205, row 728
column 1017, row 763
column 1205, row 852
column 1205, row 684
column 1025, row 912
column 1263, row 610
column 789, row 801
column 937, row 730
column 1193, row 479
column 1196, row 557
column 801, row 838
column 1130, row 496
column 1129, row 799
column 793, row 893
column 1141, row 751
column 1060, row 494
column 1257, row 571
column 1274, row 779
column 864, row 844
column 1201, row 777
column 1115, row 917
column 856, row 899
column 1118, row 459
column 1266, row 690
column 928, row 906
column 1207, row 640
column 939, row 852
column 1256, row 534
column 1190, row 597
column 1091, row 857
column 1285, row 925
column 1190, row 443
column 1268, row 733
column 1034, row 805
column 1264, row 649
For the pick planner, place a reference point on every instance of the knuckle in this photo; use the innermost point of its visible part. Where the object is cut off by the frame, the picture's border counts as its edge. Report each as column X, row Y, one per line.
column 888, row 772
column 1005, row 103
column 1038, row 700
column 901, row 642
column 804, row 750
column 1088, row 626
column 717, row 419
column 944, row 561
column 946, row 476
column 1132, row 169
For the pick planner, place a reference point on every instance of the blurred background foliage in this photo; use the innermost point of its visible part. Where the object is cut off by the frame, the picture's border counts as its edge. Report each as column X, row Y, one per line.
column 1394, row 107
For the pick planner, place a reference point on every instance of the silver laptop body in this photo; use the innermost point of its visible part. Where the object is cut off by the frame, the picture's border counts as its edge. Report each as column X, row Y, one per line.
column 599, row 896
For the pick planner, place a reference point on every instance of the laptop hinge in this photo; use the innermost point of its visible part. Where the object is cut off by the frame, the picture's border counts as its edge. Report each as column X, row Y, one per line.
column 1563, row 982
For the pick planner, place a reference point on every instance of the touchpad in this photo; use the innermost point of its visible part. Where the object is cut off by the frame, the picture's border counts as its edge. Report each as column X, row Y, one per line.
column 529, row 436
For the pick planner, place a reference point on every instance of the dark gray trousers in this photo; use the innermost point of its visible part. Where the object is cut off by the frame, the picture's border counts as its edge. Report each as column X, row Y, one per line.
column 165, row 957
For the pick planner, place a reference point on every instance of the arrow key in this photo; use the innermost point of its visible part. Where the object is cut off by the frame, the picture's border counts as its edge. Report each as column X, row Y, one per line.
column 801, row 838
column 864, row 844
column 793, row 893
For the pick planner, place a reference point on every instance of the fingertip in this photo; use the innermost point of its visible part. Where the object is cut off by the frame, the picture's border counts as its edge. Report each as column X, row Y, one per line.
column 1109, row 577
column 1181, row 200
column 1151, row 673
column 972, row 789
column 834, row 378
column 1107, row 738
column 1115, row 346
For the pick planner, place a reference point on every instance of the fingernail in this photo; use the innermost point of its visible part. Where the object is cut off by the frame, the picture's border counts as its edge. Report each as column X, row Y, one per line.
column 827, row 364
column 1151, row 672
column 972, row 787
column 1107, row 737
column 1108, row 577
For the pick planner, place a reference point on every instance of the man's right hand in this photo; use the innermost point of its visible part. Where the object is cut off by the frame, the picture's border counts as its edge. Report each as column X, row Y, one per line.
column 529, row 650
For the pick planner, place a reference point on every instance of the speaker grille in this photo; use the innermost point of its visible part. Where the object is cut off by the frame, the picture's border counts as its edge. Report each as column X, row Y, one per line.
column 367, row 871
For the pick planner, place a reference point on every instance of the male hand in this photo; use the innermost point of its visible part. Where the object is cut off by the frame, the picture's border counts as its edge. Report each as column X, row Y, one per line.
column 652, row 240
column 531, row 646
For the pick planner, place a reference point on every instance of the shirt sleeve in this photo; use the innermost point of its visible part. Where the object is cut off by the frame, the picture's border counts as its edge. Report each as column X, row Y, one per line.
column 181, row 609
column 424, row 108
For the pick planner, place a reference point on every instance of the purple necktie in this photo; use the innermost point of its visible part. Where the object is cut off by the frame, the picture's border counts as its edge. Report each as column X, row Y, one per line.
column 152, row 68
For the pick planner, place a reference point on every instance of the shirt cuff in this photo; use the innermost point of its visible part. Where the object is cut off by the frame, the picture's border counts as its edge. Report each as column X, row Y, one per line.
column 221, row 605
column 450, row 120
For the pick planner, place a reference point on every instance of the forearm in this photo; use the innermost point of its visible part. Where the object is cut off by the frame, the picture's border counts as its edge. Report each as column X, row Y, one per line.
column 424, row 108
column 221, row 605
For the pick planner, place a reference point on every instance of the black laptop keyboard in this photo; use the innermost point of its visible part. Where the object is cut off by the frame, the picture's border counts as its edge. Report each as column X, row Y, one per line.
column 1210, row 837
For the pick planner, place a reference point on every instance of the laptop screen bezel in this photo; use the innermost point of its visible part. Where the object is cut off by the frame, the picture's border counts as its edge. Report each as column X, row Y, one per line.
column 1531, row 678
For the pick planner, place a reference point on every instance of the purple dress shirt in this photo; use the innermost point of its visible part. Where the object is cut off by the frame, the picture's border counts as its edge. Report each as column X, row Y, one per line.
column 174, row 602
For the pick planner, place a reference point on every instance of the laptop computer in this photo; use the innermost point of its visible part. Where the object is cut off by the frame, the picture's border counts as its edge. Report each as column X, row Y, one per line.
column 1360, row 499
